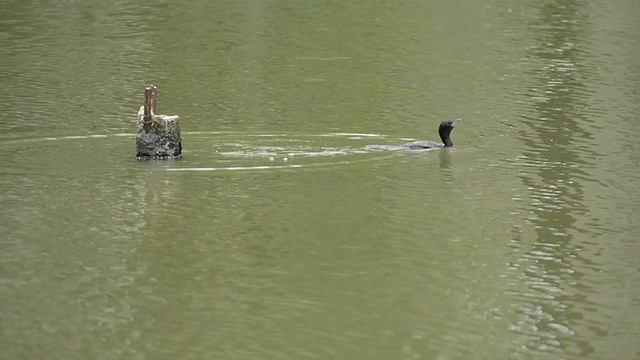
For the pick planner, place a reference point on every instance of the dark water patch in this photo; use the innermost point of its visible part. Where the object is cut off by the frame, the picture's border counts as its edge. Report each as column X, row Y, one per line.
column 569, row 129
column 57, row 90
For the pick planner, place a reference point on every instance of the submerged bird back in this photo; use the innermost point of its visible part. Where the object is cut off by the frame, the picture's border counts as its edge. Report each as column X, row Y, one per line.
column 422, row 144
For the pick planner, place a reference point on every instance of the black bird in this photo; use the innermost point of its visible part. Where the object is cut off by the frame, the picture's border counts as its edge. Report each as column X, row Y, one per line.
column 444, row 130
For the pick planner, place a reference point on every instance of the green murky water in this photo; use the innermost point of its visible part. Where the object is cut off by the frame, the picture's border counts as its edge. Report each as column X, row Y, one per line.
column 282, row 233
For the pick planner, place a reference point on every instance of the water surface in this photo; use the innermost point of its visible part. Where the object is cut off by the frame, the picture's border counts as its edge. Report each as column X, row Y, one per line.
column 281, row 233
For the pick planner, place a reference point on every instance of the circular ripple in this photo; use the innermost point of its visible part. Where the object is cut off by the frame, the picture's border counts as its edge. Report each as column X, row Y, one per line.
column 216, row 151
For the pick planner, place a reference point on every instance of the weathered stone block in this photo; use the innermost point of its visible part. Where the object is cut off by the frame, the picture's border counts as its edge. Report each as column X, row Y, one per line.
column 158, row 135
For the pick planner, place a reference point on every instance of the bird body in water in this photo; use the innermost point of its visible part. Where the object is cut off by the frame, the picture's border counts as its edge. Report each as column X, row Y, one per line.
column 444, row 130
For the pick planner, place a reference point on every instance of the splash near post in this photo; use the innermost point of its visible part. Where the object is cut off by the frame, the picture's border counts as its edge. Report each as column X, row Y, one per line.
column 158, row 135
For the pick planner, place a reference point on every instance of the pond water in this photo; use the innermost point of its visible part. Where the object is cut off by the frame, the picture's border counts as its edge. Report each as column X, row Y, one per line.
column 286, row 230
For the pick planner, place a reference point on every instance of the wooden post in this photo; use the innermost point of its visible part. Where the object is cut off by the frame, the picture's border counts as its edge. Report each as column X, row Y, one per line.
column 158, row 135
column 152, row 98
column 148, row 109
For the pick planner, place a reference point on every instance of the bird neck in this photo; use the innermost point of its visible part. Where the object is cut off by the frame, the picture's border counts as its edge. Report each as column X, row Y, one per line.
column 445, row 136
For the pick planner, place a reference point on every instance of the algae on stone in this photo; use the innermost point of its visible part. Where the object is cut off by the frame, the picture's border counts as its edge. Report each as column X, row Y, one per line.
column 158, row 136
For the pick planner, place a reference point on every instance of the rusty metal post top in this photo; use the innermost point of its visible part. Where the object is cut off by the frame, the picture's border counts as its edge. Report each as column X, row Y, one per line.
column 150, row 93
